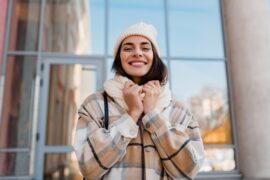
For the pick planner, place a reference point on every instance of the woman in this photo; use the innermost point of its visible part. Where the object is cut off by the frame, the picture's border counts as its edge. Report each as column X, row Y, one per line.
column 150, row 135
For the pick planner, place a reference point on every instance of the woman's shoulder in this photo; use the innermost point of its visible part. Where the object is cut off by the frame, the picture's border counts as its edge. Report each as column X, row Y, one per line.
column 179, row 104
column 181, row 112
column 96, row 96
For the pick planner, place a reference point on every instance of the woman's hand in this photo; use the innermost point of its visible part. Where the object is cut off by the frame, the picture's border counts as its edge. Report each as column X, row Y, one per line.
column 131, row 93
column 152, row 91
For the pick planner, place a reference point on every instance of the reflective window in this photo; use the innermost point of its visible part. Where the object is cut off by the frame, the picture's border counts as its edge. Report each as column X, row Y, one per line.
column 75, row 26
column 195, row 28
column 69, row 86
column 202, row 86
column 25, row 25
column 61, row 166
column 219, row 159
column 110, row 72
column 15, row 164
column 17, row 112
column 78, row 27
column 124, row 13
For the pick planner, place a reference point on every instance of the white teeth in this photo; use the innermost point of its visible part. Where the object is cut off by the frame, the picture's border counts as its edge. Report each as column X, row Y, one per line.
column 137, row 63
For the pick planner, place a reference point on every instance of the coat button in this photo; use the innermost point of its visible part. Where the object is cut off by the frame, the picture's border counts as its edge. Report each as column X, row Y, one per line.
column 147, row 125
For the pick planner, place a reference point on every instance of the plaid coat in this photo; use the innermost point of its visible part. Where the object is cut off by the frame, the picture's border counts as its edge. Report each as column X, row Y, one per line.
column 162, row 145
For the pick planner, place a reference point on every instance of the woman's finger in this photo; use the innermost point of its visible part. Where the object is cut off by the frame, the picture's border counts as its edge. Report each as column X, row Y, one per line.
column 128, row 84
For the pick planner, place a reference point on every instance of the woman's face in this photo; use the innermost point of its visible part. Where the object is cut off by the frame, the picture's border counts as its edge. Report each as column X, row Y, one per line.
column 136, row 56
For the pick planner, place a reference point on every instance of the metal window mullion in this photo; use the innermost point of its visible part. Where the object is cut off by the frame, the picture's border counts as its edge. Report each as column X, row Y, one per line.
column 106, row 39
column 22, row 53
column 15, row 177
column 219, row 175
column 7, row 35
column 58, row 149
column 197, row 59
column 230, row 90
column 73, row 56
column 12, row 150
column 70, row 60
column 4, row 55
column 167, row 38
column 34, row 147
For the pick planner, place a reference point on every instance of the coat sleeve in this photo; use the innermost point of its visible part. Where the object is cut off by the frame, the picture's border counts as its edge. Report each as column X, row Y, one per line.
column 98, row 149
column 179, row 144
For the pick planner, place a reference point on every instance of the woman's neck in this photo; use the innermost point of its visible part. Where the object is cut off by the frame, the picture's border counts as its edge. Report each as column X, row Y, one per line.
column 136, row 80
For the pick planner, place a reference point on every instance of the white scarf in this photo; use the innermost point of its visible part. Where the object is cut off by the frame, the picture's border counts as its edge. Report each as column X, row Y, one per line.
column 114, row 88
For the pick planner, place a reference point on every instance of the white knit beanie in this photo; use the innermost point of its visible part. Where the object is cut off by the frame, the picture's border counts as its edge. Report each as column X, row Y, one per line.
column 142, row 29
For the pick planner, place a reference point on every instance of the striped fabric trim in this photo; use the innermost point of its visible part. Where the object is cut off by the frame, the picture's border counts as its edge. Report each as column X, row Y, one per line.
column 152, row 146
column 84, row 108
column 95, row 155
column 135, row 144
column 174, row 154
column 183, row 174
column 190, row 127
column 139, row 144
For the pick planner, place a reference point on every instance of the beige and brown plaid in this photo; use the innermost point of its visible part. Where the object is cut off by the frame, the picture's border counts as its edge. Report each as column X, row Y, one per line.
column 162, row 145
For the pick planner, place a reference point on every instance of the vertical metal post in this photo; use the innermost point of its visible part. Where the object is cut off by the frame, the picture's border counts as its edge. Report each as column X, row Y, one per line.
column 106, row 26
column 36, row 158
column 167, row 37
column 5, row 54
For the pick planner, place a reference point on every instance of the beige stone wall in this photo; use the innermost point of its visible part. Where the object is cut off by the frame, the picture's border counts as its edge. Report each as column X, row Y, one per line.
column 247, row 35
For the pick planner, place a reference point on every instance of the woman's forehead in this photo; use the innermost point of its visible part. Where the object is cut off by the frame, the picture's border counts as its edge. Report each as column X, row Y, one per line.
column 134, row 39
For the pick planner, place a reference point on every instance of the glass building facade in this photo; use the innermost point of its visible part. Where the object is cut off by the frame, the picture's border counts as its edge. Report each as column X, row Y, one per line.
column 54, row 53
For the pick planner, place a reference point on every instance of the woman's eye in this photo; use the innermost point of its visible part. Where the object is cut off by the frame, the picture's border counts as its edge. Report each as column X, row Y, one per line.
column 146, row 49
column 127, row 49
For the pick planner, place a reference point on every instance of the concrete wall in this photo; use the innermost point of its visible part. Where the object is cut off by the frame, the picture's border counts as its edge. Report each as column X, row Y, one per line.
column 247, row 34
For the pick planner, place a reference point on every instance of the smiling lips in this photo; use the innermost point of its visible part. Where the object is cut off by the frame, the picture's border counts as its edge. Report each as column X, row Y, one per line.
column 137, row 63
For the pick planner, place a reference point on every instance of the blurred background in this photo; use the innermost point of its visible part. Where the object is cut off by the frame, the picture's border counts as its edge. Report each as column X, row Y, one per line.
column 54, row 53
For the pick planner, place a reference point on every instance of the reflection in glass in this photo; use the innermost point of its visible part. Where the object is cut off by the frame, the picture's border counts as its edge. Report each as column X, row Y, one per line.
column 219, row 160
column 14, row 164
column 69, row 86
column 75, row 26
column 24, row 25
column 110, row 72
column 124, row 13
column 16, row 117
column 61, row 167
column 195, row 28
column 203, row 87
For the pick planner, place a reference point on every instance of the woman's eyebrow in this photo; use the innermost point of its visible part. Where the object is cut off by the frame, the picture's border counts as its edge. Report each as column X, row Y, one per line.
column 142, row 43
column 145, row 43
column 128, row 43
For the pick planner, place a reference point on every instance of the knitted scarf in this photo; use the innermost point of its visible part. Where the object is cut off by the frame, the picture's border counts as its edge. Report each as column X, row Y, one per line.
column 114, row 88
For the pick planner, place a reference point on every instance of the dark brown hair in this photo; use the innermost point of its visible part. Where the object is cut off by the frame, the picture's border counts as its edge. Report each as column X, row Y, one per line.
column 158, row 70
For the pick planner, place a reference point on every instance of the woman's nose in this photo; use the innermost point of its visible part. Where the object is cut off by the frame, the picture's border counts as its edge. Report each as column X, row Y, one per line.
column 138, row 52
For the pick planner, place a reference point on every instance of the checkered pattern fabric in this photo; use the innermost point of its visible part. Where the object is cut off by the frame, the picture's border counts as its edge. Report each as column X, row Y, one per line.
column 162, row 145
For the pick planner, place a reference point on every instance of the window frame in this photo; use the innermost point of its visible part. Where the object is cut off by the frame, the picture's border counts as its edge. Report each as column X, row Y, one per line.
column 39, row 53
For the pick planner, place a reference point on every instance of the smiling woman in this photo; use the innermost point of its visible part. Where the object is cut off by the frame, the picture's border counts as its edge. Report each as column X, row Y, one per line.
column 150, row 134
column 136, row 57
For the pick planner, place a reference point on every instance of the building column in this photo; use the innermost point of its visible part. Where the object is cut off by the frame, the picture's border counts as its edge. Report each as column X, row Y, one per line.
column 247, row 37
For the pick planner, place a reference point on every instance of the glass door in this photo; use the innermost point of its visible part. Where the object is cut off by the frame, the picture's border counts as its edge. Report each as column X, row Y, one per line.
column 65, row 84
